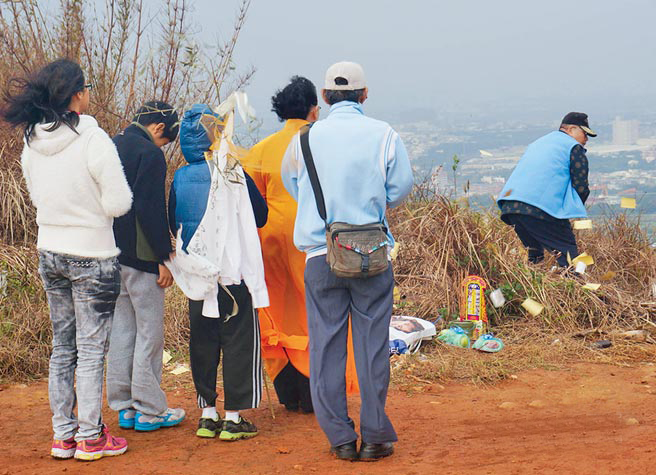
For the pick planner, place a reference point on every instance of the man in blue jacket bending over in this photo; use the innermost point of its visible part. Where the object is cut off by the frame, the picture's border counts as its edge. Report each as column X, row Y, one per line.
column 549, row 186
column 363, row 169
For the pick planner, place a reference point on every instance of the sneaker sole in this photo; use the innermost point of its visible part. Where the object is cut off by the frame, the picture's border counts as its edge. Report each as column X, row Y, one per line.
column 231, row 436
column 206, row 433
column 126, row 425
column 147, row 427
column 62, row 453
column 91, row 456
column 150, row 426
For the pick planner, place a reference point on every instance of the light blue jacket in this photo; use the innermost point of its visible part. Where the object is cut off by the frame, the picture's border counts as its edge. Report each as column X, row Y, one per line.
column 363, row 168
column 541, row 178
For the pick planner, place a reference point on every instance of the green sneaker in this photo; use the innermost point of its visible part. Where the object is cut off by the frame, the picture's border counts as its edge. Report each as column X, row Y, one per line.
column 235, row 431
column 207, row 427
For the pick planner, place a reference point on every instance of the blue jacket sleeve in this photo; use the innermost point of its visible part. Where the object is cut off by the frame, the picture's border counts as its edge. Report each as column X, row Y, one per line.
column 260, row 208
column 399, row 175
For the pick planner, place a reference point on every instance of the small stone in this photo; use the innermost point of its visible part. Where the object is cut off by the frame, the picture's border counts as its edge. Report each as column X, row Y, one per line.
column 632, row 421
column 513, row 376
column 283, row 450
column 436, row 402
column 298, row 467
column 537, row 404
column 507, row 405
column 435, row 387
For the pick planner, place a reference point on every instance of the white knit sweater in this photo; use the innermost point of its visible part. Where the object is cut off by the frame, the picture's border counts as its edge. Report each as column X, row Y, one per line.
column 76, row 182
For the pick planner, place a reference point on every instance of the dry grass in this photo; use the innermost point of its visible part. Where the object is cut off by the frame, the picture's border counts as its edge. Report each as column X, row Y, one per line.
column 528, row 346
column 443, row 241
column 25, row 331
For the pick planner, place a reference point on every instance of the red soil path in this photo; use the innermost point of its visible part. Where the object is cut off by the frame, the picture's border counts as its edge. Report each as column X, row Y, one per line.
column 585, row 419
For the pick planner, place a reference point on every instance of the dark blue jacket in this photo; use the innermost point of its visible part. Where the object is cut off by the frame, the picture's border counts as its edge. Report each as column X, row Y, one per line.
column 191, row 183
column 142, row 234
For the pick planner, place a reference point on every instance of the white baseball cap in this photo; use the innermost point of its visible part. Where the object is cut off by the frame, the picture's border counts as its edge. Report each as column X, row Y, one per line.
column 345, row 76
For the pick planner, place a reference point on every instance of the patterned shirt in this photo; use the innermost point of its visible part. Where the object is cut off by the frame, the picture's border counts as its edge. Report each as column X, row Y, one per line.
column 578, row 171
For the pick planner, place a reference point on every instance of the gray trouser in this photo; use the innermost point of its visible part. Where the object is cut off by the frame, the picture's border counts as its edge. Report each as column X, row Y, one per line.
column 81, row 295
column 134, row 362
column 329, row 299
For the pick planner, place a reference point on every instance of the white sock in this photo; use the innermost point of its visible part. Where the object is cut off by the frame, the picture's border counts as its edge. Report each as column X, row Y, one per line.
column 232, row 416
column 210, row 413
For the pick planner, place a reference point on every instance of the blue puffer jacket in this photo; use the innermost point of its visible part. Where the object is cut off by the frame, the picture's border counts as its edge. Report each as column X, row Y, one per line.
column 191, row 183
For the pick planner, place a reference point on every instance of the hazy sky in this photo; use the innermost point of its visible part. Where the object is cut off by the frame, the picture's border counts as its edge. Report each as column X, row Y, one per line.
column 583, row 55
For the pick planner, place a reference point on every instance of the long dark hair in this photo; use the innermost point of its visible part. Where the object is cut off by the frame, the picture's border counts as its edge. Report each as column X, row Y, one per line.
column 44, row 97
column 295, row 100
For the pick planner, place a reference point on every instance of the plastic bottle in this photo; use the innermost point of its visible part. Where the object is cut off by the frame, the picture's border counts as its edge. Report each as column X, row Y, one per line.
column 455, row 336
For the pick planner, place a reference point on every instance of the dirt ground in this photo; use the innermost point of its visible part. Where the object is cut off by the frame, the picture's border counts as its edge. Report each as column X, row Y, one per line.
column 584, row 419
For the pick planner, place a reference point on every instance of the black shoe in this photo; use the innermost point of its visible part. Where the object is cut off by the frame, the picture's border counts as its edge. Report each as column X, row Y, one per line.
column 371, row 452
column 208, row 427
column 235, row 431
column 348, row 451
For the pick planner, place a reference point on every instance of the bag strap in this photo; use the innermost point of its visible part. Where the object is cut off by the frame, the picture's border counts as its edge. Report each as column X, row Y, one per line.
column 312, row 172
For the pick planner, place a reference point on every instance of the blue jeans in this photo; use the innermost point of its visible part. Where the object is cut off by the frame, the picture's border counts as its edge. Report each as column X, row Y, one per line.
column 82, row 294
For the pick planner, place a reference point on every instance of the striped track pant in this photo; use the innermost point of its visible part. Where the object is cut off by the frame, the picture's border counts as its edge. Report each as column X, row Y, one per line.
column 238, row 339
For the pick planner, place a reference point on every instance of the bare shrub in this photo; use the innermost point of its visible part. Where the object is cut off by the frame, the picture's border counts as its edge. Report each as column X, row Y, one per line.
column 129, row 53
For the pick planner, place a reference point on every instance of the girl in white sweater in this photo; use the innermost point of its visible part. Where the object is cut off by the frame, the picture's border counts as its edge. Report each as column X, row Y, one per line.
column 75, row 180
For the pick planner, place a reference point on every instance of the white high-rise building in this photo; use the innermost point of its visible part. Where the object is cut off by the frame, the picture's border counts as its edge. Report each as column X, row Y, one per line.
column 625, row 132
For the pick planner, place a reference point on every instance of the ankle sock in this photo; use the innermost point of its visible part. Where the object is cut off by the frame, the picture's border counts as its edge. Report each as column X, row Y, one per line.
column 232, row 416
column 210, row 413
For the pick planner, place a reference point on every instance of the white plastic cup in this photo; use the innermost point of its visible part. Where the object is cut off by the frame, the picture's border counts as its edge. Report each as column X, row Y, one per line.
column 497, row 298
column 580, row 267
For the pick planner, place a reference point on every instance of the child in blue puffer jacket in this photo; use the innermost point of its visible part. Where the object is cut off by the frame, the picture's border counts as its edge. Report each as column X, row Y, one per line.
column 237, row 337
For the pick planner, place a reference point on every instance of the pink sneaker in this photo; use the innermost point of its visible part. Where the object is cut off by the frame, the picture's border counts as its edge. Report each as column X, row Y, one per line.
column 104, row 446
column 63, row 449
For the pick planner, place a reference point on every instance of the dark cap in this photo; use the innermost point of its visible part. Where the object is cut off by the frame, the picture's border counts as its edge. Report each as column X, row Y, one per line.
column 580, row 119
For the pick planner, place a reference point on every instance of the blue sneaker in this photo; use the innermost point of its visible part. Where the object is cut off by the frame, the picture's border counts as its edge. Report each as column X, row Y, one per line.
column 170, row 418
column 126, row 418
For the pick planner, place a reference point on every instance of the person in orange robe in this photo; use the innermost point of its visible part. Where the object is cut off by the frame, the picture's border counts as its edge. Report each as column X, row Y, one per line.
column 283, row 325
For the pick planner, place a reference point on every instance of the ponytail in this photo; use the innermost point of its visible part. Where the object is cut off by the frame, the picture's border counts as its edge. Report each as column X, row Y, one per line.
column 44, row 97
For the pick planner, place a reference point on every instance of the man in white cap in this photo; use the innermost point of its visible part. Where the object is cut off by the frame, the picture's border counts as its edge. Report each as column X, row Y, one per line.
column 363, row 168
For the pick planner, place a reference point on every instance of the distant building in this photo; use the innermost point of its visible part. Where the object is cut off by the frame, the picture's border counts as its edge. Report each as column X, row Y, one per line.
column 625, row 132
column 649, row 155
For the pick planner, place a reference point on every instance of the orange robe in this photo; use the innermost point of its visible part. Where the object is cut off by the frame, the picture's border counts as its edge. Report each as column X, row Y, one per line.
column 283, row 325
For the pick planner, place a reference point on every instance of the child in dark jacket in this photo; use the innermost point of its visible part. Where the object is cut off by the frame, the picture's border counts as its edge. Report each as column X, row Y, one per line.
column 134, row 361
column 236, row 337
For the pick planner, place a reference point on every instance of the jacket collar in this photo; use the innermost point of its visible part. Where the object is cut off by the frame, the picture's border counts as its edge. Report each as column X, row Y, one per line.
column 138, row 129
column 347, row 107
